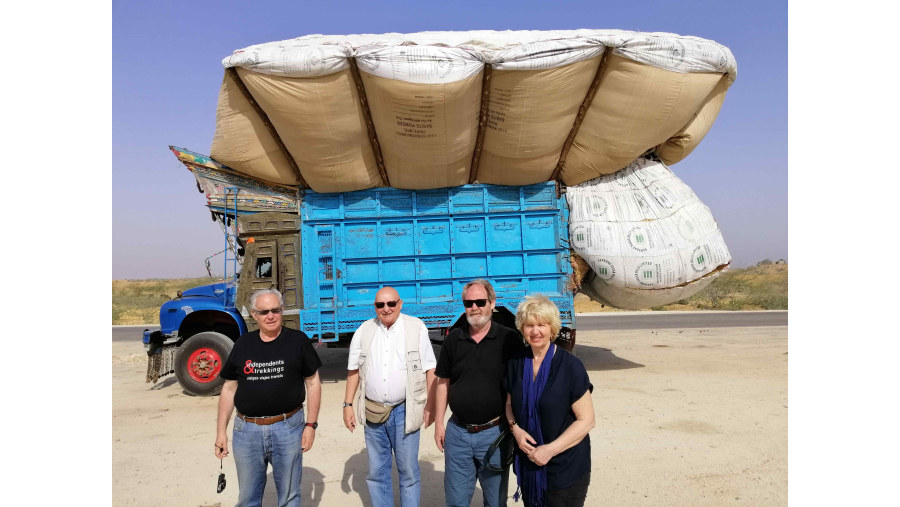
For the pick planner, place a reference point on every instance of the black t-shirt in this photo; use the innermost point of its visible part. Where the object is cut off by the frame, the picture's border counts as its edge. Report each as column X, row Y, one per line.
column 567, row 382
column 476, row 371
column 270, row 374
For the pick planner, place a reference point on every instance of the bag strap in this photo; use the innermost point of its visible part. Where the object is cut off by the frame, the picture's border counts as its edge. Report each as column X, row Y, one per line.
column 506, row 437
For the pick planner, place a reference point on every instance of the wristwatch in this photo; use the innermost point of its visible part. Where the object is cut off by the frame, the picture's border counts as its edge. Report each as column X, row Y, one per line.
column 347, row 404
column 313, row 425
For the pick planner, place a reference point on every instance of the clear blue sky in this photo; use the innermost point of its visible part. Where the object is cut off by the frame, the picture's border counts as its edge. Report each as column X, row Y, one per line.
column 166, row 72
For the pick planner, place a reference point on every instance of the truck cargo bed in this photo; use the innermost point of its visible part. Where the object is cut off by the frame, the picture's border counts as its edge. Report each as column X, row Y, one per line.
column 428, row 244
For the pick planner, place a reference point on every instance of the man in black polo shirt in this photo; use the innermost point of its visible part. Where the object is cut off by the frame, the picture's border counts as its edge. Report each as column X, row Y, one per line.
column 268, row 376
column 470, row 374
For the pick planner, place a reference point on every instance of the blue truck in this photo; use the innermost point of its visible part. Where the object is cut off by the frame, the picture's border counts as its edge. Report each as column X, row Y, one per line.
column 328, row 253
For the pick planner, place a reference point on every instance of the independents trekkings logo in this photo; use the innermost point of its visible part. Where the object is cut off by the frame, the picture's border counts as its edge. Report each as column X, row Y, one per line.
column 264, row 371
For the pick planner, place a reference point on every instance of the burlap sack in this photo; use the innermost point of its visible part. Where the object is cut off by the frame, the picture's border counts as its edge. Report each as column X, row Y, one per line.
column 243, row 143
column 530, row 114
column 321, row 123
column 679, row 146
column 636, row 108
column 427, row 132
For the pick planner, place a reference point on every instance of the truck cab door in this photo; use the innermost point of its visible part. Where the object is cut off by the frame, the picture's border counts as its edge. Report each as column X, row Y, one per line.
column 271, row 261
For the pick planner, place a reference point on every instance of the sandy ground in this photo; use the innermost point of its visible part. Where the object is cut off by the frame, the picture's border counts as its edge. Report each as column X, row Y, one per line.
column 684, row 417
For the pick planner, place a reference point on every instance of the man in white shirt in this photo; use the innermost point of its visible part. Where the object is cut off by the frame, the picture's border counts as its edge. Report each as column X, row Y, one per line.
column 391, row 356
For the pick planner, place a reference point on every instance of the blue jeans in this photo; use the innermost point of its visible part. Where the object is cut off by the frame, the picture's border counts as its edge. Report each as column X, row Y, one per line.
column 464, row 462
column 381, row 440
column 256, row 446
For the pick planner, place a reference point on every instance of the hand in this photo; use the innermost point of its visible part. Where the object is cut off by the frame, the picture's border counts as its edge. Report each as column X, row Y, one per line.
column 306, row 441
column 349, row 419
column 541, row 455
column 221, row 446
column 524, row 440
column 439, row 433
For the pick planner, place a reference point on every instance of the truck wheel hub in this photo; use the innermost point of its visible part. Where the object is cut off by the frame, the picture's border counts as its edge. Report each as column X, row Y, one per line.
column 204, row 365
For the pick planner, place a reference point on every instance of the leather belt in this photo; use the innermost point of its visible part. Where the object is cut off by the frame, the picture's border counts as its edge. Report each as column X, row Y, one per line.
column 263, row 421
column 475, row 428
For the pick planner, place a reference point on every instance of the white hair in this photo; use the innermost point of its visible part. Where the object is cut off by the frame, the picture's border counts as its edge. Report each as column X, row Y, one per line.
column 262, row 292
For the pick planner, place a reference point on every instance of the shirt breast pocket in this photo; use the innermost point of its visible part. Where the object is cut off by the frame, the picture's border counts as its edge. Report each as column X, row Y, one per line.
column 413, row 360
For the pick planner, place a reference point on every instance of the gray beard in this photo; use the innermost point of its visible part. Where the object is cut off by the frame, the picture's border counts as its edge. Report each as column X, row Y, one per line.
column 478, row 322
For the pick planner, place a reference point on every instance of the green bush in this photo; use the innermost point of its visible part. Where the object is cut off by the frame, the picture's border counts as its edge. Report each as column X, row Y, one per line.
column 762, row 286
column 117, row 312
column 771, row 301
column 723, row 291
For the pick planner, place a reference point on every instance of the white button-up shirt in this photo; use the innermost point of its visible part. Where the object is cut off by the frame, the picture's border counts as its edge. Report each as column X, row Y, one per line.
column 386, row 365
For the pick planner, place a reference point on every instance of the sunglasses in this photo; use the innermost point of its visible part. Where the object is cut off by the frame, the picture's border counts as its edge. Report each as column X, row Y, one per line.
column 391, row 304
column 276, row 311
column 469, row 302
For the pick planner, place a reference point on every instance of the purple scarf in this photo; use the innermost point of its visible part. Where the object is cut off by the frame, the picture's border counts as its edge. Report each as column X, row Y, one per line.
column 532, row 479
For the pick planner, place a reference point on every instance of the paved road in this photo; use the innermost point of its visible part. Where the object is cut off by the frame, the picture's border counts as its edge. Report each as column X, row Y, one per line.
column 676, row 320
column 130, row 333
column 606, row 321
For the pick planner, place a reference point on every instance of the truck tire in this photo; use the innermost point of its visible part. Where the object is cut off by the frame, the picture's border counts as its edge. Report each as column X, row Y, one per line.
column 199, row 361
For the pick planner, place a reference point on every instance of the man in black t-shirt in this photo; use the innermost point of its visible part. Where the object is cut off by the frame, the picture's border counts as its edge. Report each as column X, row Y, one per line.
column 470, row 371
column 268, row 376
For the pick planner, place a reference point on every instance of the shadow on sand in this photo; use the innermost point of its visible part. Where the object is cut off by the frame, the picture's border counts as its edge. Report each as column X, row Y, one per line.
column 312, row 486
column 166, row 382
column 353, row 483
column 334, row 363
column 602, row 359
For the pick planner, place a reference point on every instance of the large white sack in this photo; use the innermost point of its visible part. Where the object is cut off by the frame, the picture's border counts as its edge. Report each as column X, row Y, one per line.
column 318, row 55
column 647, row 237
column 419, row 64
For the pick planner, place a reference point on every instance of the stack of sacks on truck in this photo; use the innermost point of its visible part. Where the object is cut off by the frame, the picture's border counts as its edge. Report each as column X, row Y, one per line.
column 442, row 109
column 645, row 235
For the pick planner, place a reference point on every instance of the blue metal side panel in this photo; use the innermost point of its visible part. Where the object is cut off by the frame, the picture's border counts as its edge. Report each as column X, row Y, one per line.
column 428, row 244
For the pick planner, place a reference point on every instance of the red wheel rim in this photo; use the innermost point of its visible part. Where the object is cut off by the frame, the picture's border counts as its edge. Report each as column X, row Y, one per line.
column 204, row 365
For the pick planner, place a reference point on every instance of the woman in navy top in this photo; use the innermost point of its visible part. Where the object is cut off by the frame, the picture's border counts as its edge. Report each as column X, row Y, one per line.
column 549, row 410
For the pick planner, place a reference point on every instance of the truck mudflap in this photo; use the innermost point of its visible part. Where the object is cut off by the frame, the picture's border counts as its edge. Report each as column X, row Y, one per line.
column 160, row 358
